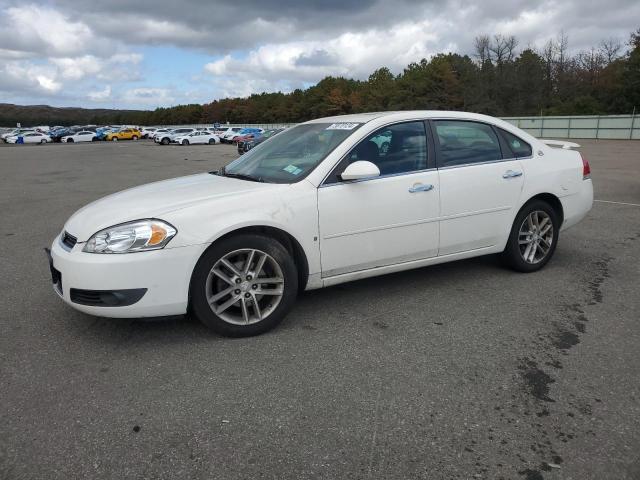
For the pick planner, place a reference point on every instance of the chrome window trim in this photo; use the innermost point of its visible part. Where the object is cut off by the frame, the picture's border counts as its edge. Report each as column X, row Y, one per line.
column 396, row 122
column 388, row 175
column 484, row 163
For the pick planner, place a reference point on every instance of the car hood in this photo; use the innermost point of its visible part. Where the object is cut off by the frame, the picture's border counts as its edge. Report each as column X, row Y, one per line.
column 153, row 200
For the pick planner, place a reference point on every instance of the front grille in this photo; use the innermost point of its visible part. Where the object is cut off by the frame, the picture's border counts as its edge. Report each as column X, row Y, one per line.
column 69, row 240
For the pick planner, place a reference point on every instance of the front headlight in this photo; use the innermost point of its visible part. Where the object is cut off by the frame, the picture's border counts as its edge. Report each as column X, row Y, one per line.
column 137, row 236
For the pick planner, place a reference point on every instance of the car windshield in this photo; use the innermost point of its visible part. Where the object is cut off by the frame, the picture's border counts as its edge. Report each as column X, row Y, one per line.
column 292, row 155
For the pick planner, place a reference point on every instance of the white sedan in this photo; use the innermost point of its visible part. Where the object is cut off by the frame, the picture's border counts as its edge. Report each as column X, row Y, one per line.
column 29, row 137
column 317, row 205
column 198, row 137
column 82, row 136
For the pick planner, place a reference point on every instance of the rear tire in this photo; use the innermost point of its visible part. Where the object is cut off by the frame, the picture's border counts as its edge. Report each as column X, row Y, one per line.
column 253, row 312
column 134, row 138
column 533, row 238
column 43, row 141
column 212, row 141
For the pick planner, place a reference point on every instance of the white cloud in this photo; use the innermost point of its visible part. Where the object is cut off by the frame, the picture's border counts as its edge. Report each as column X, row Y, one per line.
column 350, row 54
column 150, row 97
column 100, row 95
column 31, row 27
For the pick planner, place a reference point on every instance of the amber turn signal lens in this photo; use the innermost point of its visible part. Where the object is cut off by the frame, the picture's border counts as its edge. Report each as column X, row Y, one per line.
column 158, row 234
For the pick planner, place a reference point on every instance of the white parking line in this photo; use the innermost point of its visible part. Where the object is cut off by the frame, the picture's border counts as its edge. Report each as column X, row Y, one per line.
column 618, row 203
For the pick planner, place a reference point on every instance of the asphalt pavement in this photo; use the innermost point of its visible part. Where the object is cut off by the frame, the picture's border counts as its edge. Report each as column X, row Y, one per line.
column 459, row 371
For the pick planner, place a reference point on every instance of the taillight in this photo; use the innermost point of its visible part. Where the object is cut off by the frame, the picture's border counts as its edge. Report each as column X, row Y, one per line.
column 586, row 169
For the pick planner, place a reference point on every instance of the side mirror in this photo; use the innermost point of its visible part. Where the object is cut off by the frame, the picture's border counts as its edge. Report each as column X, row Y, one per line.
column 360, row 170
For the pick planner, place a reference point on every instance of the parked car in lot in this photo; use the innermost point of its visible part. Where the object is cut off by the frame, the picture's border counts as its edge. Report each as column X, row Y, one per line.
column 229, row 133
column 198, row 137
column 159, row 132
column 246, row 145
column 147, row 132
column 169, row 137
column 232, row 138
column 29, row 137
column 123, row 134
column 56, row 135
column 15, row 133
column 82, row 136
column 318, row 205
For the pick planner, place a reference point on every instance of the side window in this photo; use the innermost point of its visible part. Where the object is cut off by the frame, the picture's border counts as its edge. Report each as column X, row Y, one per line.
column 463, row 142
column 400, row 148
column 519, row 147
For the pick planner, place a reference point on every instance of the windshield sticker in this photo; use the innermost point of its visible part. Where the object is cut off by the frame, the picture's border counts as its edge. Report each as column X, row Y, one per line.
column 342, row 126
column 292, row 169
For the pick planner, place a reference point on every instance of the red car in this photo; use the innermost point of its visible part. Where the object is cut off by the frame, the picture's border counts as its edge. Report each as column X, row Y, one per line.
column 245, row 138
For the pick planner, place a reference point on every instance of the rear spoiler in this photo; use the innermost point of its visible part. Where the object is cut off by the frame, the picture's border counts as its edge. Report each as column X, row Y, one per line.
column 560, row 143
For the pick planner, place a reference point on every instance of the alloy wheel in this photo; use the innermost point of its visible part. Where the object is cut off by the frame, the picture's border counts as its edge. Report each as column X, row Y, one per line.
column 245, row 286
column 535, row 237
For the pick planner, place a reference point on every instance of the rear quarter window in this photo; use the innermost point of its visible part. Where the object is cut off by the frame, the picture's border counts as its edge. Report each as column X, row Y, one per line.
column 518, row 147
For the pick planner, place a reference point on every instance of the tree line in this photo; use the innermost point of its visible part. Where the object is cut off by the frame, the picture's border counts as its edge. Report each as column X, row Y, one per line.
column 497, row 79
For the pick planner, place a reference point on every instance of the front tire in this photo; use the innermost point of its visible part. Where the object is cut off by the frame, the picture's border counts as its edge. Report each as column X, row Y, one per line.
column 243, row 285
column 134, row 138
column 533, row 238
column 164, row 141
column 114, row 139
column 185, row 142
column 69, row 140
column 212, row 141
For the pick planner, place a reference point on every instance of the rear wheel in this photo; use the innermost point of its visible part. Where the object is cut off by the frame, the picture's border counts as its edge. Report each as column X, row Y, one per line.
column 244, row 285
column 134, row 138
column 211, row 141
column 44, row 140
column 533, row 237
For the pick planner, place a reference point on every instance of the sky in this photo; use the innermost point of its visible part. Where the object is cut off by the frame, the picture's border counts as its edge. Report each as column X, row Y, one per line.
column 145, row 54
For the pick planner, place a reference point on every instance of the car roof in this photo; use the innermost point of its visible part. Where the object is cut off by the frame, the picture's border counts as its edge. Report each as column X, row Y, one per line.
column 402, row 114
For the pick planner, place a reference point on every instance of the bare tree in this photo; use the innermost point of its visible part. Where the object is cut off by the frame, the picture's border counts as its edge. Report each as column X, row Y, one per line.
column 562, row 47
column 610, row 49
column 482, row 48
column 512, row 44
column 498, row 48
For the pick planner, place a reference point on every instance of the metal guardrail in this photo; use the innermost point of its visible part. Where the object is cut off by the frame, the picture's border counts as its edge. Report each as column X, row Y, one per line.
column 613, row 127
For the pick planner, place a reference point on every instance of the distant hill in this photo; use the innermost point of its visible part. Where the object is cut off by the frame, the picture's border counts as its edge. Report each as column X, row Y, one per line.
column 32, row 115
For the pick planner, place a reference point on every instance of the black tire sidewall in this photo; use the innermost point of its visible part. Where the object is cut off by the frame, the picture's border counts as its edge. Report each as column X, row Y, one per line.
column 198, row 301
column 512, row 254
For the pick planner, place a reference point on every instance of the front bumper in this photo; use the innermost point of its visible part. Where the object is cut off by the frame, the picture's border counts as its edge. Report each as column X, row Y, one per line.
column 164, row 275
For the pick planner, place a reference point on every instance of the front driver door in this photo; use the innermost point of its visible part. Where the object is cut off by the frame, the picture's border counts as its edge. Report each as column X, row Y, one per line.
column 384, row 220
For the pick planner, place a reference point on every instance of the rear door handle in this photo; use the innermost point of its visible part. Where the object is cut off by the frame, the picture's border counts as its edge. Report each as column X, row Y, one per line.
column 421, row 187
column 511, row 174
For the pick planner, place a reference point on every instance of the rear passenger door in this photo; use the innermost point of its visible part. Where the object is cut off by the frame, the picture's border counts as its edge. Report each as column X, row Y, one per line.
column 480, row 185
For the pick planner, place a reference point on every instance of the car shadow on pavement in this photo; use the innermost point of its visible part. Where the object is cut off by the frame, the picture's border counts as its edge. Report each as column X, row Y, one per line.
column 309, row 313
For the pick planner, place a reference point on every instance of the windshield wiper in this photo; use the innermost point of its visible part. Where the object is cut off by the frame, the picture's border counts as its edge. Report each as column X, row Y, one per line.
column 243, row 176
column 240, row 176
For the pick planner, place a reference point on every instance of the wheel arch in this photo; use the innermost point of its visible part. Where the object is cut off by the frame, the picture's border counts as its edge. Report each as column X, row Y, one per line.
column 282, row 236
column 551, row 199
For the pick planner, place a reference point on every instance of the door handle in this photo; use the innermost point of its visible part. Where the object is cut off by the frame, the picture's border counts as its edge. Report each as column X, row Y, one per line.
column 511, row 174
column 421, row 187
